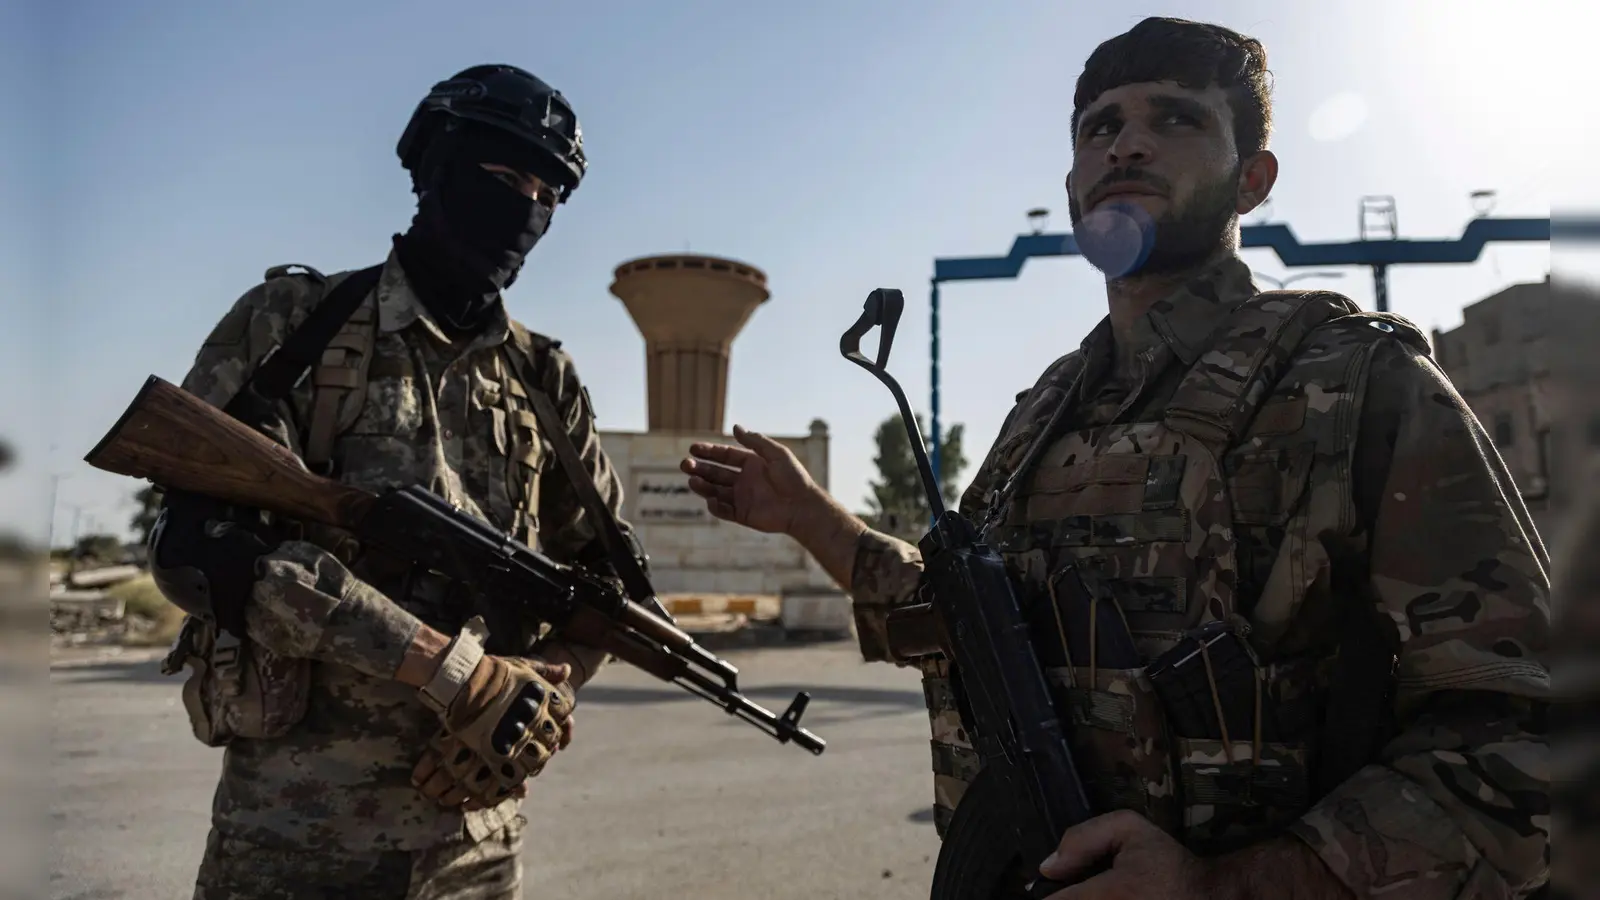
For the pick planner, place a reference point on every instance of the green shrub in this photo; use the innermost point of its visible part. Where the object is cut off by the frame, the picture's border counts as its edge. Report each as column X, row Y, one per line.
column 141, row 597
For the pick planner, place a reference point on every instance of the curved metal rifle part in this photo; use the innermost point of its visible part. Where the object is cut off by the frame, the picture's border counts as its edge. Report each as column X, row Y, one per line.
column 883, row 307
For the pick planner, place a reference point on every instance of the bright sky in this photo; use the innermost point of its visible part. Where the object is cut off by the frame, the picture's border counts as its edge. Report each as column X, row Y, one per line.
column 179, row 149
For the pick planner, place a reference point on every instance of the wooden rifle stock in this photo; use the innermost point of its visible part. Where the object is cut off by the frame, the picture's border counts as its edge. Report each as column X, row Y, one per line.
column 177, row 441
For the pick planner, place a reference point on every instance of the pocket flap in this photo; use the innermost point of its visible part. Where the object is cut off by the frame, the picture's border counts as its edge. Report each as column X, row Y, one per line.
column 1266, row 486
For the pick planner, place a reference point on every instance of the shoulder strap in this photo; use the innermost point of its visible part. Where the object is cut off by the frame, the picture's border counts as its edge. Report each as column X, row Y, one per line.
column 1069, row 399
column 1244, row 358
column 634, row 580
column 340, row 373
column 287, row 363
column 605, row 525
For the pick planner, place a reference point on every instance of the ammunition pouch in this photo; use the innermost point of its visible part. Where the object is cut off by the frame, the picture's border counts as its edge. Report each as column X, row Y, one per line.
column 236, row 688
column 1241, row 753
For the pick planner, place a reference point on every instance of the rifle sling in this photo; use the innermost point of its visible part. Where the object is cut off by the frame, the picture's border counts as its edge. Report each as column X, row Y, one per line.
column 634, row 580
column 283, row 368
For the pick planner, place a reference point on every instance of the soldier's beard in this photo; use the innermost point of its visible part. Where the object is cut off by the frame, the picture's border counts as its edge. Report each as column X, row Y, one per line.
column 1122, row 239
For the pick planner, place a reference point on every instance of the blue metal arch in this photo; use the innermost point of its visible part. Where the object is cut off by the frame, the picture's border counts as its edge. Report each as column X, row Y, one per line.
column 1378, row 254
column 1281, row 240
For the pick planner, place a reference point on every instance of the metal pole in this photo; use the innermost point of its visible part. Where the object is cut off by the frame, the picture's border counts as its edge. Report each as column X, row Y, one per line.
column 933, row 356
column 50, row 534
column 1380, row 287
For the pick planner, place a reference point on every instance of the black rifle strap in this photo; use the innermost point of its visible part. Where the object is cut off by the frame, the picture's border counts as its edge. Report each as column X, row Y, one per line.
column 283, row 368
column 270, row 382
column 634, row 580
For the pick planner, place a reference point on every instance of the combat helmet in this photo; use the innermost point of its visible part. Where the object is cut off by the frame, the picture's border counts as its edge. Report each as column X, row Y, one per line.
column 511, row 100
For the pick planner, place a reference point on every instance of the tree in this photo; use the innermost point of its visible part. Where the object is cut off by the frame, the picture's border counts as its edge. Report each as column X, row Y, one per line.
column 898, row 504
column 149, row 500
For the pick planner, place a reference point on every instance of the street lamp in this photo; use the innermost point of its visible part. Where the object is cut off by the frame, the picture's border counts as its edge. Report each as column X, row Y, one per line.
column 1285, row 282
column 1482, row 202
column 1037, row 217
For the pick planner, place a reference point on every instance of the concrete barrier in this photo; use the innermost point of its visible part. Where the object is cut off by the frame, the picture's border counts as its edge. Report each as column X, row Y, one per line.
column 817, row 611
column 85, row 608
column 103, row 577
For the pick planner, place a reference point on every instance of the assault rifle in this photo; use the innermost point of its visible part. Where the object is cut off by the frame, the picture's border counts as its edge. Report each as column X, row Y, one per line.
column 176, row 440
column 1028, row 791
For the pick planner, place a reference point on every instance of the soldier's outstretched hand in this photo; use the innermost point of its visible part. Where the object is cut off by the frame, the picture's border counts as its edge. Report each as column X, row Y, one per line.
column 760, row 485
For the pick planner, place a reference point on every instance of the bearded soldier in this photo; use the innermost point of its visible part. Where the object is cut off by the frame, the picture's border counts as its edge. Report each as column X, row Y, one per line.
column 1333, row 603
column 371, row 715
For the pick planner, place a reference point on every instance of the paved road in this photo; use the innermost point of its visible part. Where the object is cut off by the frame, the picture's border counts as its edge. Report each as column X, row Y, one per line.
column 661, row 795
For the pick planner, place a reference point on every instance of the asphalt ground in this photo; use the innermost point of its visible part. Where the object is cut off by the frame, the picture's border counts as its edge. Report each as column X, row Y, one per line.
column 660, row 795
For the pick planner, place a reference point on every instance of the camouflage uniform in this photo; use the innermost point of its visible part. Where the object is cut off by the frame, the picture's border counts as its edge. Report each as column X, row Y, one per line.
column 1227, row 481
column 328, row 803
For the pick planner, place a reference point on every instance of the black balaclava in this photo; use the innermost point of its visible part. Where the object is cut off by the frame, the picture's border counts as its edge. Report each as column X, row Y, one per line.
column 472, row 231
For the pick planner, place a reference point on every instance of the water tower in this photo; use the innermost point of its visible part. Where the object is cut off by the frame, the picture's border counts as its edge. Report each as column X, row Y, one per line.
column 689, row 308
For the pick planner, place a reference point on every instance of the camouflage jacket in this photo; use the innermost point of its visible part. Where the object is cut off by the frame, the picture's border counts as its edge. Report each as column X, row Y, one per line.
column 1390, row 493
column 446, row 415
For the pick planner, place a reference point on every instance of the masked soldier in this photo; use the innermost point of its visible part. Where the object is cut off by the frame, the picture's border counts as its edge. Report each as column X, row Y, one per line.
column 1291, row 606
column 378, row 725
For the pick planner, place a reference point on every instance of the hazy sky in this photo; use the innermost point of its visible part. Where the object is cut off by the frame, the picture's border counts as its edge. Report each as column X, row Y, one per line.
column 176, row 150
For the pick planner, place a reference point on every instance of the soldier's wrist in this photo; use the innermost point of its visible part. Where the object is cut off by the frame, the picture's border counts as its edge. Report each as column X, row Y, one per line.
column 463, row 673
column 820, row 523
column 584, row 661
column 1281, row 868
column 422, row 658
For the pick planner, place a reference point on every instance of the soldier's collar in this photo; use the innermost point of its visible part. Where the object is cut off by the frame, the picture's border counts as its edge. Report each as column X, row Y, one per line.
column 1187, row 318
column 399, row 307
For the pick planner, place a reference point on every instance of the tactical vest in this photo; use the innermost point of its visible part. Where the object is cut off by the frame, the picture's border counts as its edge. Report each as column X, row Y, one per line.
column 356, row 361
column 241, row 689
column 1196, row 518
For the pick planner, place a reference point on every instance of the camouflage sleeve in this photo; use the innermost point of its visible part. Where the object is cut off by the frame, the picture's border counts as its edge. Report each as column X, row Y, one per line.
column 305, row 602
column 883, row 576
column 1458, row 803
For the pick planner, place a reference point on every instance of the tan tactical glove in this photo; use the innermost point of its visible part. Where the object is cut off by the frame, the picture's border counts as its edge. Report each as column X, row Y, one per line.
column 503, row 718
column 446, row 775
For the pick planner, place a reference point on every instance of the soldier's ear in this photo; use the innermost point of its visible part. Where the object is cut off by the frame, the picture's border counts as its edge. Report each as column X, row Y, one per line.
column 1257, row 176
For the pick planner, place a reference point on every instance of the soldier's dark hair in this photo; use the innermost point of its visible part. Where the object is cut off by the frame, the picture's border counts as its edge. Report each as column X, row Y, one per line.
column 1195, row 55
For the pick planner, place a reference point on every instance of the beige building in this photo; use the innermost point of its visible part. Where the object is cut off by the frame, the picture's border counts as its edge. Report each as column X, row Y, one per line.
column 689, row 308
column 1525, row 360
